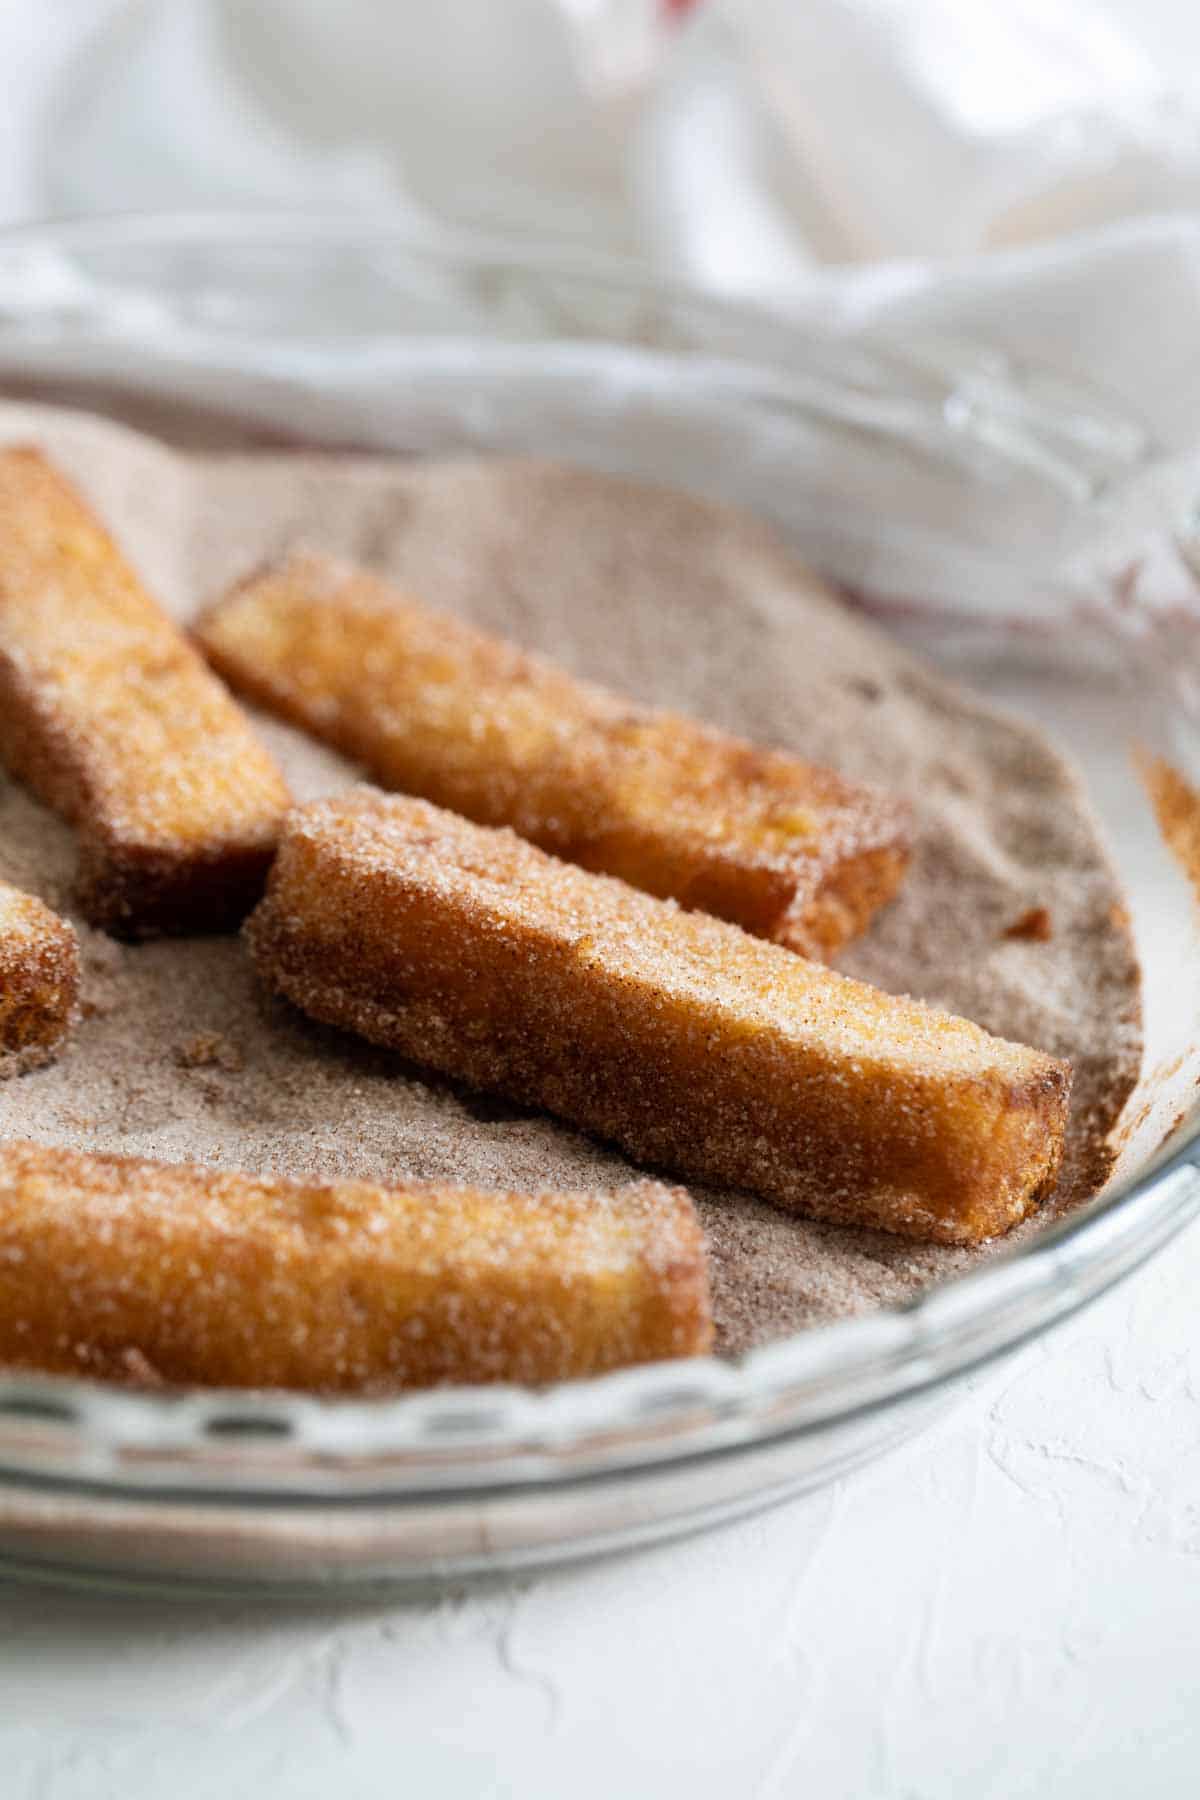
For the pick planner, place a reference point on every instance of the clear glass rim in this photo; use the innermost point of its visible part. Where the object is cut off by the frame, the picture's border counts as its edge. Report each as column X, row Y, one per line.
column 256, row 228
column 219, row 1446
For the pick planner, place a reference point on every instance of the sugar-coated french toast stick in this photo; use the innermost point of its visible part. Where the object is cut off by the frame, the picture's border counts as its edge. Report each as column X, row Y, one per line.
column 113, row 1266
column 113, row 719
column 697, row 1047
column 433, row 707
column 39, row 981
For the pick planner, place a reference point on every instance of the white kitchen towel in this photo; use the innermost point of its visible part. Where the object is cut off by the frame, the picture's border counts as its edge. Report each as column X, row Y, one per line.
column 1000, row 418
column 738, row 147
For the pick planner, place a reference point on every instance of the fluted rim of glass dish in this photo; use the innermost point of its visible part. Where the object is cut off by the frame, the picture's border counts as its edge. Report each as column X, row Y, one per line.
column 222, row 1447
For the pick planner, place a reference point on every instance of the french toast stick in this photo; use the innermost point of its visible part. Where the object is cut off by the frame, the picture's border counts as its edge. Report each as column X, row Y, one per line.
column 39, row 981
column 113, row 719
column 122, row 1268
column 698, row 1048
column 433, row 707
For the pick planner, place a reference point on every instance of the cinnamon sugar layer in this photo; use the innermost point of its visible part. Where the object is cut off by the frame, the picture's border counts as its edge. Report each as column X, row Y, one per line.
column 680, row 604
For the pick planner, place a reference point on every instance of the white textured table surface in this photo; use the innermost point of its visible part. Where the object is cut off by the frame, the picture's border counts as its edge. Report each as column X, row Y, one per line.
column 1009, row 1606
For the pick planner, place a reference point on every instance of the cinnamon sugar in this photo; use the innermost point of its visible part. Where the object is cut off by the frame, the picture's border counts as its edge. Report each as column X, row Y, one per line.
column 677, row 603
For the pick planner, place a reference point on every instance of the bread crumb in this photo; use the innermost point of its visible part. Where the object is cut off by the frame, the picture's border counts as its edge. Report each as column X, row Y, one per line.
column 1035, row 925
column 210, row 1050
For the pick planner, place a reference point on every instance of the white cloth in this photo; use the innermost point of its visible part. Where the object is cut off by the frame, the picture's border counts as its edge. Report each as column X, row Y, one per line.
column 738, row 150
column 984, row 434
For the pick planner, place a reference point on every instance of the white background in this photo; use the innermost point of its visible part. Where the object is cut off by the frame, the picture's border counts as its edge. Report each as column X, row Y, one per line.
column 1009, row 1606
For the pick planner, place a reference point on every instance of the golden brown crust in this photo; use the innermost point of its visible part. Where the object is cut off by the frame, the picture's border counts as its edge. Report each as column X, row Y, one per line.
column 39, row 981
column 433, row 707
column 113, row 719
column 117, row 1267
column 695, row 1046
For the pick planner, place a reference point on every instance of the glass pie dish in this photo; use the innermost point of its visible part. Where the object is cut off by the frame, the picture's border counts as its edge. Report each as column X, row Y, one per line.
column 346, row 334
